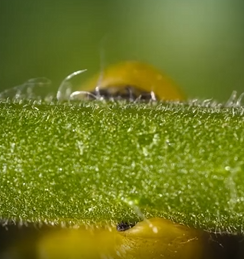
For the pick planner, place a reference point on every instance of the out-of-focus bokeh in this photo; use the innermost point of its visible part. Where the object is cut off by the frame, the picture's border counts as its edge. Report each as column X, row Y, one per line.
column 200, row 44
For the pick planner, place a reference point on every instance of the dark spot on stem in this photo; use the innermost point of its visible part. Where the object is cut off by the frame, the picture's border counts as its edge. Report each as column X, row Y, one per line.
column 122, row 226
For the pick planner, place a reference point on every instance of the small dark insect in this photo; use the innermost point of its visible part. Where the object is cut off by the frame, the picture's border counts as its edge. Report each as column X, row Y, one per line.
column 122, row 93
column 132, row 80
column 122, row 226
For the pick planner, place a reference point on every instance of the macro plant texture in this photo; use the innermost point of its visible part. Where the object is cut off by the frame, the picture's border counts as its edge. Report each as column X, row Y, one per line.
column 100, row 163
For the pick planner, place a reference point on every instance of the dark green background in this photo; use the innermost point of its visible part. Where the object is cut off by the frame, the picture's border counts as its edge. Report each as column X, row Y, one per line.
column 200, row 44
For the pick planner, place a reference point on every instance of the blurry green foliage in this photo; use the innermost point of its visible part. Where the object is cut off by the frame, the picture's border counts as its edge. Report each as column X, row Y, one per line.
column 200, row 44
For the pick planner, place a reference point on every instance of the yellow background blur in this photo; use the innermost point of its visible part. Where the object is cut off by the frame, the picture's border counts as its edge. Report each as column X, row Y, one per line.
column 200, row 44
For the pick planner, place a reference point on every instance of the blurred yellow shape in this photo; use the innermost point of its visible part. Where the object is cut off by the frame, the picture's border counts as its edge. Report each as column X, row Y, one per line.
column 136, row 74
column 150, row 239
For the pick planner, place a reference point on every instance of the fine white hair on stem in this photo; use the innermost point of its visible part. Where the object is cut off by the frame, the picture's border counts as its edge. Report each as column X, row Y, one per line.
column 153, row 96
column 34, row 88
column 234, row 101
column 239, row 100
column 231, row 100
column 65, row 88
column 102, row 65
column 80, row 95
